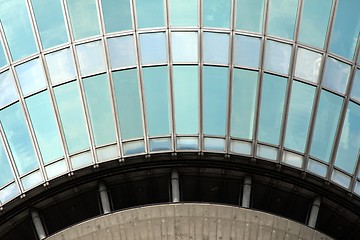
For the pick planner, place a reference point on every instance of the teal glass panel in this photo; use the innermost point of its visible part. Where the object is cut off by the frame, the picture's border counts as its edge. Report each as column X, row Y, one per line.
column 243, row 101
column 122, row 51
column 3, row 60
column 150, row 13
column 299, row 115
column 246, row 51
column 83, row 18
column 72, row 116
column 50, row 22
column 31, row 76
column 216, row 48
column 184, row 46
column 282, row 18
column 186, row 95
column 97, row 92
column 314, row 22
column 17, row 134
column 128, row 103
column 327, row 118
column 336, row 75
column 153, row 48
column 346, row 28
column 183, row 13
column 349, row 147
column 355, row 92
column 216, row 13
column 91, row 58
column 6, row 173
column 46, row 132
column 60, row 65
column 308, row 65
column 271, row 109
column 214, row 100
column 277, row 57
column 117, row 15
column 8, row 90
column 156, row 91
column 16, row 23
column 249, row 15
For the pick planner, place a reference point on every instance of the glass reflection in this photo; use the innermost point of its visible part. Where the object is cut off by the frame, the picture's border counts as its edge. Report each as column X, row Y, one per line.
column 183, row 12
column 122, row 51
column 336, row 75
column 246, row 51
column 184, row 47
column 150, row 13
column 60, row 65
column 91, row 58
column 3, row 60
column 355, row 92
column 277, row 57
column 9, row 193
column 8, row 90
column 6, row 173
column 216, row 48
column 249, row 15
column 153, row 48
column 117, row 15
column 216, row 13
column 308, row 65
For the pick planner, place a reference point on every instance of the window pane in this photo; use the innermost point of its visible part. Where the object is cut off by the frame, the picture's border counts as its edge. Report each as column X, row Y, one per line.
column 83, row 18
column 46, row 132
column 100, row 109
column 186, row 95
column 153, row 48
column 355, row 92
column 8, row 90
column 314, row 22
column 18, row 137
column 282, row 18
column 184, row 12
column 216, row 48
column 60, row 65
column 214, row 99
column 18, row 31
column 150, row 13
column 346, row 28
column 308, row 65
column 6, row 173
column 184, row 47
column 216, row 13
column 348, row 149
column 72, row 116
column 157, row 98
column 301, row 102
column 91, row 58
column 128, row 103
column 246, row 51
column 50, row 22
column 327, row 118
column 117, row 15
column 272, row 106
column 243, row 102
column 249, row 15
column 277, row 57
column 31, row 76
column 3, row 60
column 336, row 75
column 122, row 51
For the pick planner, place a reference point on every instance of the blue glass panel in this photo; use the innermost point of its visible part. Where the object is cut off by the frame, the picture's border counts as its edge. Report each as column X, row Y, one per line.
column 346, row 28
column 160, row 144
column 216, row 48
column 60, row 65
column 186, row 97
column 150, row 13
column 18, row 137
column 184, row 46
column 91, row 58
column 83, row 18
column 243, row 101
column 128, row 103
column 16, row 23
column 336, row 75
column 282, row 18
column 277, row 57
column 183, row 12
column 46, row 132
column 246, row 51
column 6, row 173
column 117, row 15
column 9, row 193
column 216, row 13
column 301, row 102
column 327, row 118
column 308, row 65
column 153, row 48
column 349, row 147
column 156, row 91
column 50, row 22
column 314, row 22
column 214, row 99
column 97, row 92
column 355, row 92
column 72, row 116
column 272, row 107
column 249, row 15
column 3, row 60
column 122, row 51
column 8, row 90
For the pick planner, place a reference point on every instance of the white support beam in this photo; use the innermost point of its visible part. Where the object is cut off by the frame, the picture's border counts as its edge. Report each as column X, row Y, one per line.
column 175, row 189
column 314, row 212
column 38, row 224
column 105, row 203
column 245, row 203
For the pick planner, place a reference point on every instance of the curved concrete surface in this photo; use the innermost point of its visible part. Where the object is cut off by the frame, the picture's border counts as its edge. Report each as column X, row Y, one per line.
column 188, row 221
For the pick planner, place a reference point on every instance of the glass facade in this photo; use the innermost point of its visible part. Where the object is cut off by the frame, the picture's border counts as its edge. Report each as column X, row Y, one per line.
column 271, row 78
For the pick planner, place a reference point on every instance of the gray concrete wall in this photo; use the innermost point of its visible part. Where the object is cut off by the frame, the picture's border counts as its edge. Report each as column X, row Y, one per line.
column 188, row 221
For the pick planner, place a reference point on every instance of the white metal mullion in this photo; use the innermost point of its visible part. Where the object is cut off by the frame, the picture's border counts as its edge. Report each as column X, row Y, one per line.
column 201, row 76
